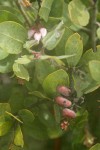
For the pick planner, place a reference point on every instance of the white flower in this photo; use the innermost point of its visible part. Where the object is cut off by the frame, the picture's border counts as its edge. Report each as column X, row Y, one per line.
column 30, row 33
column 37, row 36
column 43, row 32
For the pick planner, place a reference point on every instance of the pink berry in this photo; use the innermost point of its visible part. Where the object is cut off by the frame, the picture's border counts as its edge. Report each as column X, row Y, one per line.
column 31, row 33
column 63, row 90
column 43, row 32
column 63, row 101
column 68, row 113
column 37, row 36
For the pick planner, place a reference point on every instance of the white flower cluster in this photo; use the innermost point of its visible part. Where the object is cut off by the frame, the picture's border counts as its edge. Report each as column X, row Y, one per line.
column 37, row 35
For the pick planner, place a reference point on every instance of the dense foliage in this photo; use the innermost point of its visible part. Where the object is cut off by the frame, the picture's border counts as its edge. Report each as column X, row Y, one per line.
column 49, row 74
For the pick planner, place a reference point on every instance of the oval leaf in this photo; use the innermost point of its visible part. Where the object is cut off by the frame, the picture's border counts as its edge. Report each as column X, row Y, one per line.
column 45, row 9
column 20, row 71
column 95, row 147
column 74, row 46
column 18, row 140
column 94, row 67
column 3, row 54
column 4, row 107
column 53, row 38
column 5, row 125
column 12, row 37
column 78, row 13
column 89, row 55
column 8, row 16
column 7, row 63
column 59, row 77
column 39, row 95
column 27, row 116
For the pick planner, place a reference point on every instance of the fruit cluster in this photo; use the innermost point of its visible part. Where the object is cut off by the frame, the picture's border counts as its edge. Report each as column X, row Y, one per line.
column 65, row 103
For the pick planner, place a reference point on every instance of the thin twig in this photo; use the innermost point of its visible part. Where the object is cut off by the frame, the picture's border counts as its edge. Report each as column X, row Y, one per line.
column 86, row 30
column 93, row 26
column 23, row 13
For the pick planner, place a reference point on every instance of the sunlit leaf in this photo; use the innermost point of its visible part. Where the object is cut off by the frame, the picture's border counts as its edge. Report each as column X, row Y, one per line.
column 74, row 46
column 45, row 9
column 18, row 139
column 20, row 71
column 53, row 37
column 94, row 67
column 12, row 37
column 95, row 147
column 78, row 13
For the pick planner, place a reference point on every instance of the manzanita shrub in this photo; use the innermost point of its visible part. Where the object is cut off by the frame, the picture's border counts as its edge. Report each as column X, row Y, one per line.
column 49, row 74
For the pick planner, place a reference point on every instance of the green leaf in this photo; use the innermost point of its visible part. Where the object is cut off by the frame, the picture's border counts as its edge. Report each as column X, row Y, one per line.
column 60, row 48
column 18, row 139
column 42, row 69
column 57, row 9
column 78, row 13
column 65, row 16
column 8, row 16
column 95, row 147
column 52, row 21
column 39, row 95
column 17, row 99
column 98, row 32
column 20, row 71
column 29, row 44
column 53, row 37
column 12, row 37
column 92, row 87
column 36, row 130
column 57, row 113
column 25, row 59
column 80, row 84
column 73, row 46
column 5, row 125
column 26, row 116
column 94, row 67
column 59, row 77
column 3, row 54
column 47, row 118
column 77, row 126
column 4, row 107
column 7, row 63
column 45, row 9
column 90, row 55
column 14, row 11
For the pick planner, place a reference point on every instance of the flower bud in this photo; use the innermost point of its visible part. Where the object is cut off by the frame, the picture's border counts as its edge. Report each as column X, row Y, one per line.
column 68, row 113
column 43, row 32
column 64, row 125
column 30, row 33
column 63, row 101
column 63, row 90
column 37, row 36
